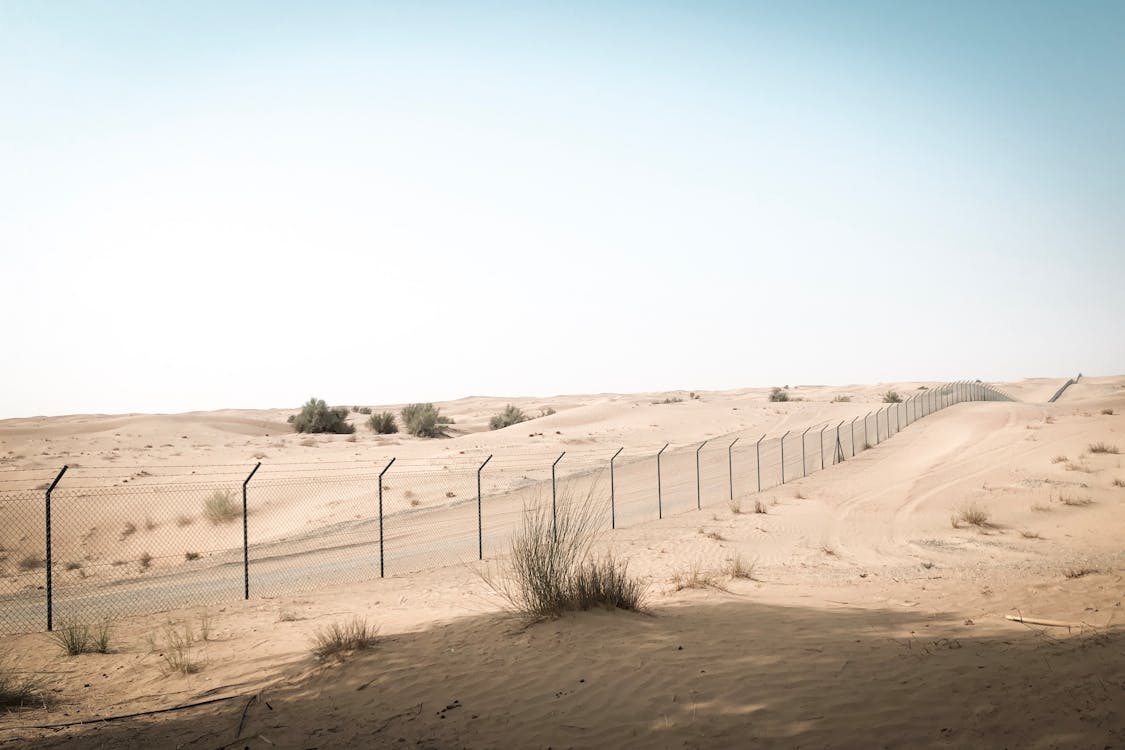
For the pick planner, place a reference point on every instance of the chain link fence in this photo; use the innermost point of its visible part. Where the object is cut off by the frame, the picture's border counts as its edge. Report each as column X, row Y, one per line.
column 93, row 544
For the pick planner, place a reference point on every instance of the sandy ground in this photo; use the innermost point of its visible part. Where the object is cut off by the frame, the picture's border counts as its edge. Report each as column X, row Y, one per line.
column 871, row 619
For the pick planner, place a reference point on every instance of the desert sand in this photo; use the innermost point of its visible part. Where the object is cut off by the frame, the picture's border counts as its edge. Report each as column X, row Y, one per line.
column 870, row 619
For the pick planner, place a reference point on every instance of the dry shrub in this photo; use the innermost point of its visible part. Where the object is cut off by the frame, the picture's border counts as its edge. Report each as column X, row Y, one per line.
column 31, row 562
column 737, row 567
column 1119, row 482
column 1059, row 459
column 1074, row 501
column 338, row 640
column 189, row 556
column 735, row 506
column 221, row 507
column 1030, row 534
column 759, row 507
column 713, row 535
column 74, row 637
column 1101, row 447
column 972, row 515
column 1071, row 466
column 1108, row 412
column 695, row 578
column 551, row 569
column 17, row 691
column 1079, row 572
column 778, row 395
column 176, row 648
column 146, row 561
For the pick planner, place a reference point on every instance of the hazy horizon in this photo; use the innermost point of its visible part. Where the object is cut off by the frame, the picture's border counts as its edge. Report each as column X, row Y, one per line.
column 240, row 206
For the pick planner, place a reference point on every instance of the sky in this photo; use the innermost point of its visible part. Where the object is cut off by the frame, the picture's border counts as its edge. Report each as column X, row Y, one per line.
column 213, row 205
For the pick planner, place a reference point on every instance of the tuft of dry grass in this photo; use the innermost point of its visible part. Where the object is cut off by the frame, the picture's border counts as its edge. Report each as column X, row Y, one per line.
column 221, row 507
column 338, row 640
column 177, row 649
column 74, row 637
column 18, row 691
column 307, row 443
column 1119, row 482
column 713, row 535
column 971, row 514
column 1030, row 534
column 1041, row 507
column 800, row 495
column 31, row 562
column 145, row 561
column 1101, row 447
column 150, row 525
column 735, row 506
column 1108, row 412
column 129, row 530
column 183, row 521
column 189, row 556
column 759, row 507
column 1072, row 466
column 1074, row 501
column 1079, row 572
column 695, row 578
column 1059, row 459
column 737, row 567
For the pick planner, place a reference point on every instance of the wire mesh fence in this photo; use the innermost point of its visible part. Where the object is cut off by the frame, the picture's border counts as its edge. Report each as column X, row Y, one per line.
column 75, row 547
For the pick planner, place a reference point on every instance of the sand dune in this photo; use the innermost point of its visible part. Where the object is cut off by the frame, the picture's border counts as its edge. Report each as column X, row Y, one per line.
column 872, row 621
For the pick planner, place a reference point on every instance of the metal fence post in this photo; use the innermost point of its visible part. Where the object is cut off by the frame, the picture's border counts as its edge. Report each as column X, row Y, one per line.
column 50, row 562
column 698, row 486
column 480, row 512
column 659, row 489
column 783, row 456
column 381, row 558
column 822, row 429
column 838, row 443
column 554, row 501
column 853, row 435
column 246, row 534
column 804, row 464
column 730, row 466
column 613, row 491
column 877, row 430
column 758, row 460
column 866, row 444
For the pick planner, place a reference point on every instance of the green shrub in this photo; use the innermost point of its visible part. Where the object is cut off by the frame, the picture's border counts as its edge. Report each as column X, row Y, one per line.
column 316, row 416
column 423, row 420
column 383, row 423
column 892, row 397
column 510, row 416
column 778, row 394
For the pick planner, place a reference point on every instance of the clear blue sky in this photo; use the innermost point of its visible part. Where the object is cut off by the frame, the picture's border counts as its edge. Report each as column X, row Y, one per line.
column 243, row 204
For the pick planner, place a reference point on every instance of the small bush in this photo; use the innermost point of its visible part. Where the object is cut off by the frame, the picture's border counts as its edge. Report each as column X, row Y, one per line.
column 1108, row 412
column 129, row 530
column 73, row 565
column 778, row 394
column 1029, row 534
column 221, row 507
column 422, row 420
column 670, row 400
column 183, row 521
column 892, row 397
column 735, row 506
column 1119, row 482
column 737, row 567
column 146, row 561
column 364, row 410
column 19, row 692
column 1079, row 572
column 383, row 423
column 759, row 507
column 1071, row 466
column 1059, row 459
column 842, row 400
column 316, row 416
column 546, row 412
column 971, row 514
column 338, row 640
column 510, row 416
column 189, row 556
column 1103, row 448
column 605, row 582
column 1074, row 501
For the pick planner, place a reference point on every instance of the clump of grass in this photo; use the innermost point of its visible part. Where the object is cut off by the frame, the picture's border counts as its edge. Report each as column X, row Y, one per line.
column 145, row 561
column 338, row 640
column 183, row 521
column 547, row 412
column 1059, row 459
column 150, row 525
column 220, row 507
column 892, row 397
column 735, row 506
column 316, row 416
column 189, row 556
column 129, row 530
column 669, row 400
column 31, row 562
column 510, row 416
column 74, row 637
column 307, row 443
column 1074, row 501
column 778, row 395
column 1101, row 447
column 737, row 567
column 713, row 535
column 695, row 578
column 364, row 410
column 971, row 514
column 423, row 420
column 759, row 507
column 74, row 565
column 383, row 423
column 1079, row 572
column 1071, row 466
column 176, row 648
column 1029, row 534
column 1041, row 507
column 1119, row 482
column 551, row 570
column 1108, row 412
column 842, row 400
column 19, row 691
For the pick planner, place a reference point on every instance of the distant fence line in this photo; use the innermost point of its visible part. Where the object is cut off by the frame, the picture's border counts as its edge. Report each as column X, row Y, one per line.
column 1062, row 388
column 170, row 540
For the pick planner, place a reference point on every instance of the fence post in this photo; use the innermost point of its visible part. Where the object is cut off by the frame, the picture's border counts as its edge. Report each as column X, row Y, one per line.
column 758, row 460
column 866, row 444
column 246, row 534
column 612, row 491
column 822, row 429
column 480, row 513
column 698, row 487
column 730, row 466
column 381, row 558
column 659, row 489
column 804, row 464
column 877, row 430
column 554, row 502
column 838, row 442
column 783, row 456
column 50, row 565
column 853, row 435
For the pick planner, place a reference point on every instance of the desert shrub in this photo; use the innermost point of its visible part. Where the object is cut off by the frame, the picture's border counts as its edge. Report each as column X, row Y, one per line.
column 1108, row 412
column 735, row 506
column 145, row 560
column 1079, row 572
column 737, row 567
column 316, row 416
column 1119, row 482
column 337, row 640
column 364, row 410
column 759, row 507
column 220, row 507
column 383, row 423
column 694, row 578
column 546, row 412
column 510, row 416
column 551, row 570
column 1103, row 448
column 892, row 397
column 779, row 394
column 1059, row 459
column 189, row 556
column 670, row 400
column 1074, row 501
column 423, row 420
column 19, row 691
column 842, row 400
column 971, row 514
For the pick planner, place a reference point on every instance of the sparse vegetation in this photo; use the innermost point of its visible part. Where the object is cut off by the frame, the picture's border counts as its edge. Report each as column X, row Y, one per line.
column 737, row 567
column 1075, row 501
column 546, row 412
column 892, row 397
column 551, row 569
column 176, row 648
column 183, row 521
column 145, row 561
column 220, row 507
column 74, row 565
column 1029, row 534
column 129, row 530
column 423, row 420
column 316, row 416
column 1059, row 459
column 189, row 556
column 74, row 637
column 1108, row 412
column 383, row 423
column 842, row 400
column 1071, row 466
column 31, row 562
column 150, row 525
column 713, row 535
column 735, row 506
column 510, row 416
column 1119, row 482
column 778, row 394
column 759, row 507
column 19, row 691
column 364, row 410
column 1079, row 572
column 338, row 640
column 669, row 400
column 1103, row 448
column 695, row 578
column 971, row 514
